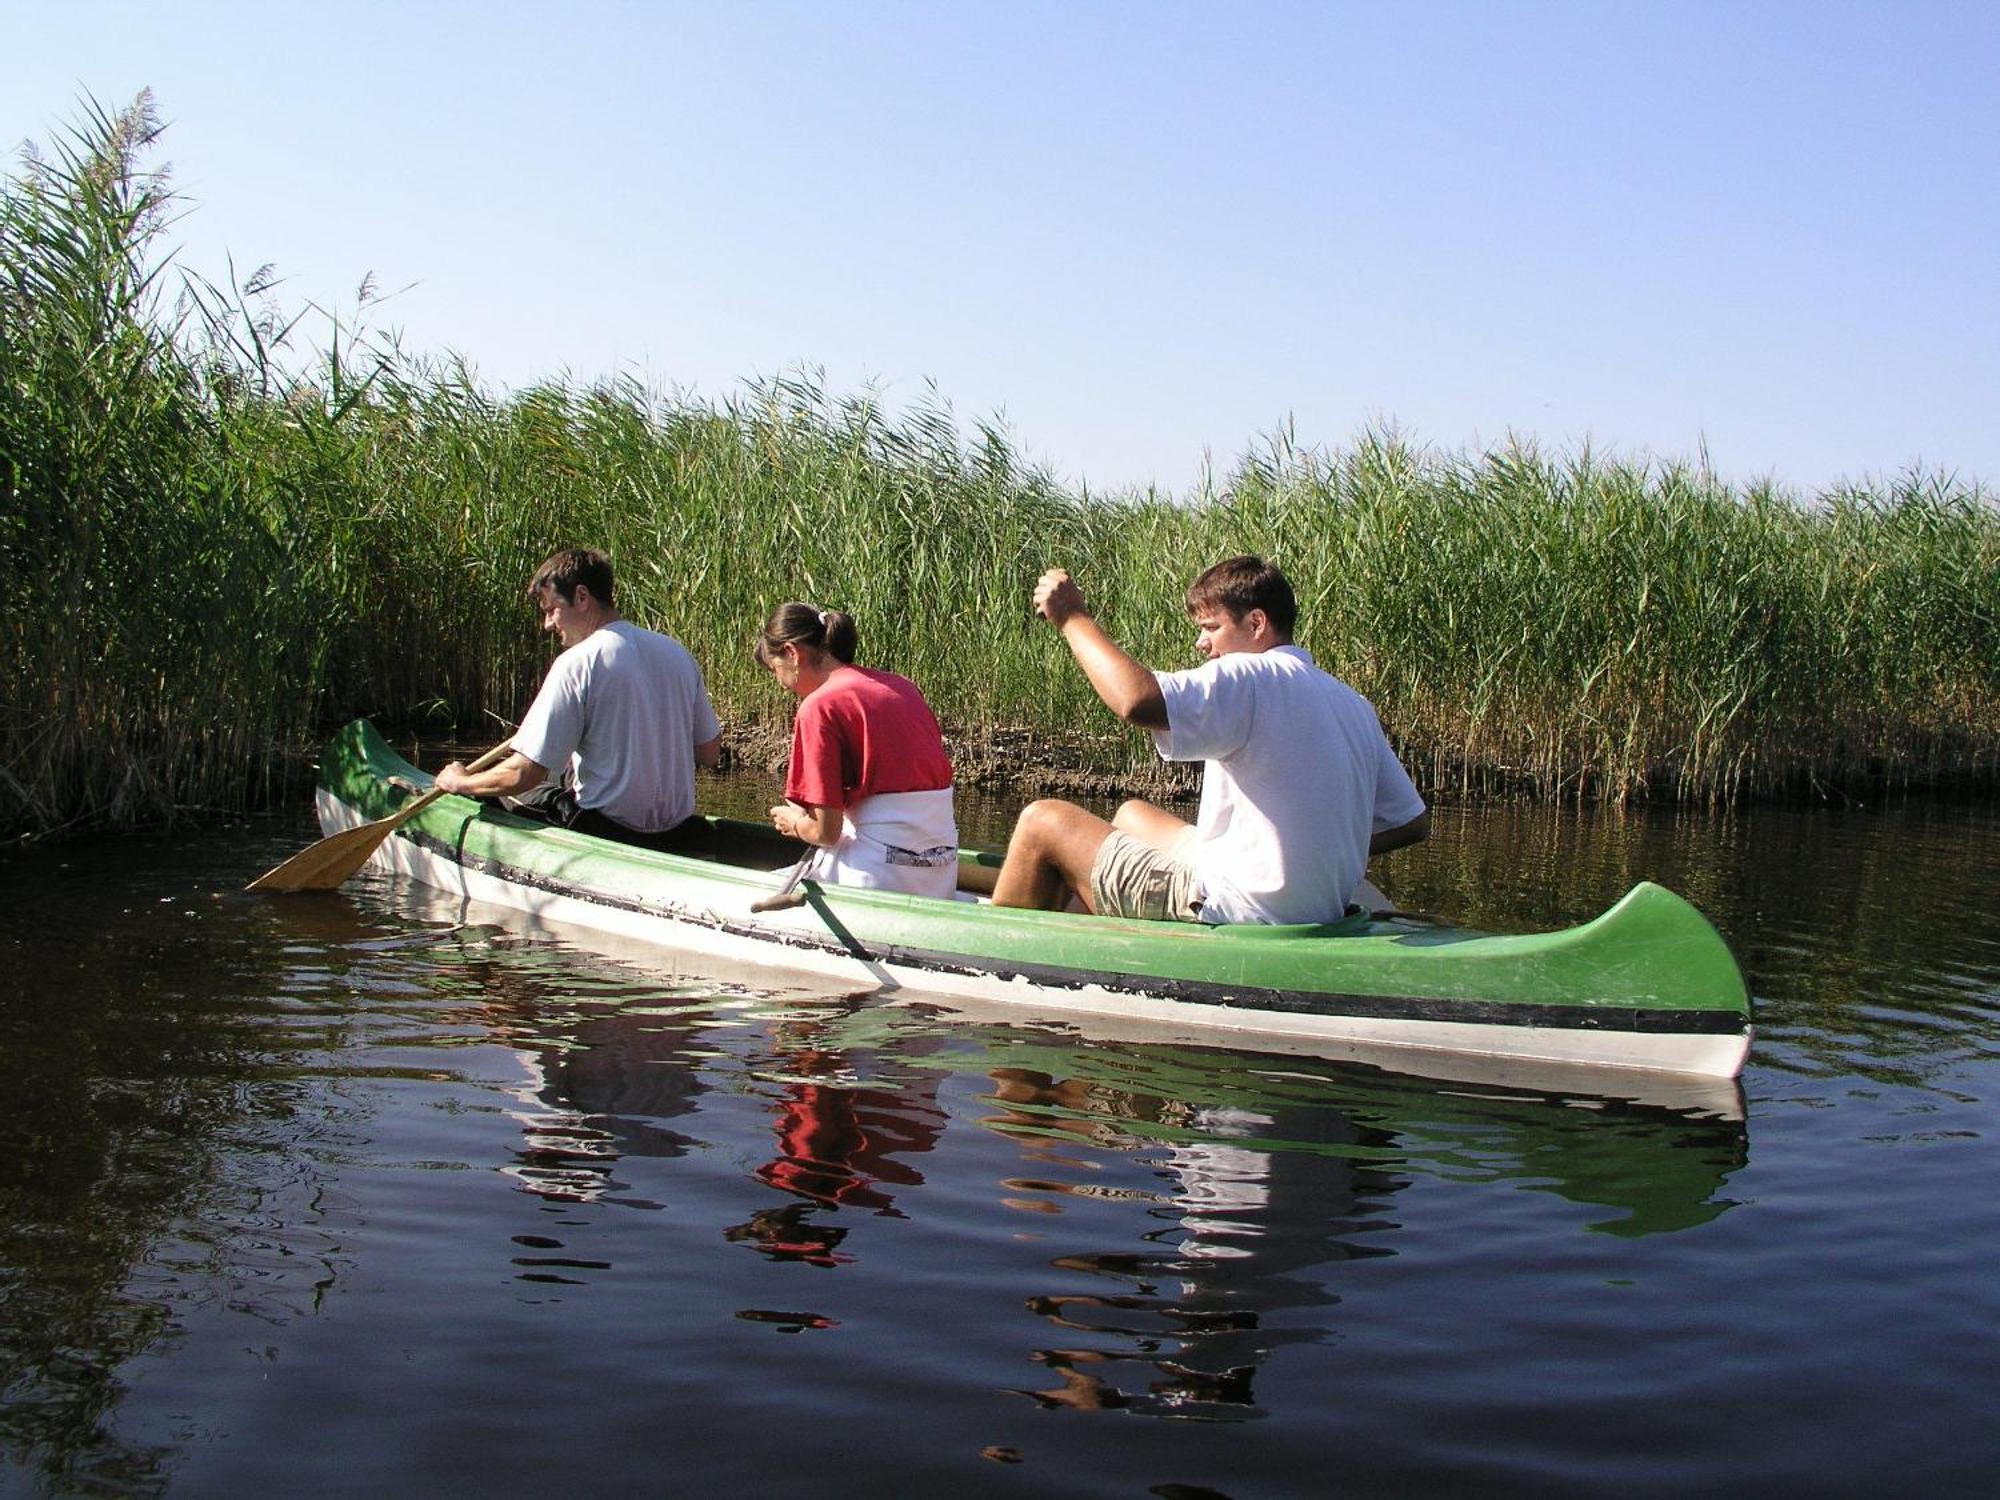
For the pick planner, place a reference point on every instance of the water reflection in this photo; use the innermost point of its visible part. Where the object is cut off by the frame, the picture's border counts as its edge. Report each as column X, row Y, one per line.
column 1228, row 1194
column 603, row 1052
column 1180, row 1327
column 202, row 1088
column 1266, row 1179
column 605, row 1087
column 844, row 1126
column 842, row 1141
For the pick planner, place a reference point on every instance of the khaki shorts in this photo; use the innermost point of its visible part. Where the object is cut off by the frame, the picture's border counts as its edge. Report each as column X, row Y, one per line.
column 1131, row 879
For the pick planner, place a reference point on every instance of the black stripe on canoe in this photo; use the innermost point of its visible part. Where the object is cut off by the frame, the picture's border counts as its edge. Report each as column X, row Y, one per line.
column 1226, row 997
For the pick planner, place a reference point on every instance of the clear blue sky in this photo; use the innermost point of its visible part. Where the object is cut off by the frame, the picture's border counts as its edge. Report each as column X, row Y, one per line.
column 1139, row 232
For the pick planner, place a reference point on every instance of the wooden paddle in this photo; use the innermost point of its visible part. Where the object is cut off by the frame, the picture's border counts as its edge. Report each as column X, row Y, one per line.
column 329, row 862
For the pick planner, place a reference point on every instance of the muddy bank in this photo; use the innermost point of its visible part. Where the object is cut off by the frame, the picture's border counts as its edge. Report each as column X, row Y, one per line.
column 1010, row 762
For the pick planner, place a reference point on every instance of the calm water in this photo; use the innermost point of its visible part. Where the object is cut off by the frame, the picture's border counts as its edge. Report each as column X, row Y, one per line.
column 364, row 1194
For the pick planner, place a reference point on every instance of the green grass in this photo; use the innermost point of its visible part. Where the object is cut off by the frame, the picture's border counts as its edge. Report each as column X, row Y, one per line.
column 225, row 526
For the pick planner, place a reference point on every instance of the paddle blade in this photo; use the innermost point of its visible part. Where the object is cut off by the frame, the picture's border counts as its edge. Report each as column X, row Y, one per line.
column 329, row 862
column 338, row 855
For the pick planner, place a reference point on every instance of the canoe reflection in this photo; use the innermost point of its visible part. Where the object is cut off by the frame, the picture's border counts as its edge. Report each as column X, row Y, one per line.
column 1203, row 1208
column 1181, row 1328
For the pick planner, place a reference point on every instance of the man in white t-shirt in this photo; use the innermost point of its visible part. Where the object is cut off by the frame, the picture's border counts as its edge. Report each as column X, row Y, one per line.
column 610, row 743
column 1299, row 784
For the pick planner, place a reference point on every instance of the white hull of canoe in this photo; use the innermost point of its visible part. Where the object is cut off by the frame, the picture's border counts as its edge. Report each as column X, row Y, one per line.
column 795, row 936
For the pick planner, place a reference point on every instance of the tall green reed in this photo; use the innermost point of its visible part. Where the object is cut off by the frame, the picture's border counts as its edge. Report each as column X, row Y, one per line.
column 119, row 555
column 228, row 525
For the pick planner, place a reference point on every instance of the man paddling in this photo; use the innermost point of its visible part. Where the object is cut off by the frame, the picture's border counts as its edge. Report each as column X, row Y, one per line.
column 1299, row 784
column 623, row 713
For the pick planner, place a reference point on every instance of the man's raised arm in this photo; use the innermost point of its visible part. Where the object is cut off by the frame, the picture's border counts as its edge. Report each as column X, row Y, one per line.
column 1127, row 687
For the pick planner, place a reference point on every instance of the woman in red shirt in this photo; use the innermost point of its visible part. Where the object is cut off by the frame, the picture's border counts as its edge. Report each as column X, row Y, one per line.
column 870, row 782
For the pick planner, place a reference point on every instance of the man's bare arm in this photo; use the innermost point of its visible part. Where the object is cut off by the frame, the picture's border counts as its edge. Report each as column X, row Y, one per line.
column 1413, row 832
column 1127, row 687
column 709, row 753
column 513, row 776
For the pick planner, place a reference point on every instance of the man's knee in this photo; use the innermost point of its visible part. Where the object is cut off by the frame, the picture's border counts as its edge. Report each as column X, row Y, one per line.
column 1041, row 823
column 1040, row 854
column 1152, row 826
column 1131, row 816
column 1058, row 835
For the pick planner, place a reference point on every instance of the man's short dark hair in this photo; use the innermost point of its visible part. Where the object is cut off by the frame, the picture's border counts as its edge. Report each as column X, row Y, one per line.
column 564, row 570
column 1238, row 585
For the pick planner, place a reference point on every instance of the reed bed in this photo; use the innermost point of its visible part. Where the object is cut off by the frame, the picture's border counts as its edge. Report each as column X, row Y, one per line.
column 225, row 526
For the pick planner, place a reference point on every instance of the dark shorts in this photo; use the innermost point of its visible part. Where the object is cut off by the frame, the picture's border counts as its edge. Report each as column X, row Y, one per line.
column 555, row 802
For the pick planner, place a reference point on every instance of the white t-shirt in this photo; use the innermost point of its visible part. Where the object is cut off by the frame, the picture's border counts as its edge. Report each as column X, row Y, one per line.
column 1299, row 778
column 623, row 708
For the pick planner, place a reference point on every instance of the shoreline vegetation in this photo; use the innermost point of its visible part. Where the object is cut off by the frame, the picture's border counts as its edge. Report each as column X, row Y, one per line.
column 226, row 527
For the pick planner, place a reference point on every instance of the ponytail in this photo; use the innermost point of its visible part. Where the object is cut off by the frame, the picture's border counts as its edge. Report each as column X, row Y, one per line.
column 827, row 631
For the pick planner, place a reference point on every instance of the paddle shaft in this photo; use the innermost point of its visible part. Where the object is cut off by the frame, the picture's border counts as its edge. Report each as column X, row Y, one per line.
column 416, row 805
column 788, row 894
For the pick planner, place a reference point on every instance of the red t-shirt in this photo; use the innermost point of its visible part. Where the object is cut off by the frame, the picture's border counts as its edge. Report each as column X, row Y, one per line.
column 861, row 732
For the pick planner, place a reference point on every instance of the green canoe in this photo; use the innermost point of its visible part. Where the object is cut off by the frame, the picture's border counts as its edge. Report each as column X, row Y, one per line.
column 1647, row 985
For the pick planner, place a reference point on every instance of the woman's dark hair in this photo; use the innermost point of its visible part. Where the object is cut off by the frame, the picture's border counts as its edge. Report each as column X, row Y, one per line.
column 1238, row 585
column 810, row 627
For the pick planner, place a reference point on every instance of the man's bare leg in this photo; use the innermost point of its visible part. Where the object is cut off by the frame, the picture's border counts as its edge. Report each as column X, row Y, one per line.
column 1152, row 826
column 1050, row 855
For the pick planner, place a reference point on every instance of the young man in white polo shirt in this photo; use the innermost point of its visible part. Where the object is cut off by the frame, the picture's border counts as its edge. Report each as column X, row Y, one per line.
column 1299, row 784
column 610, row 744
